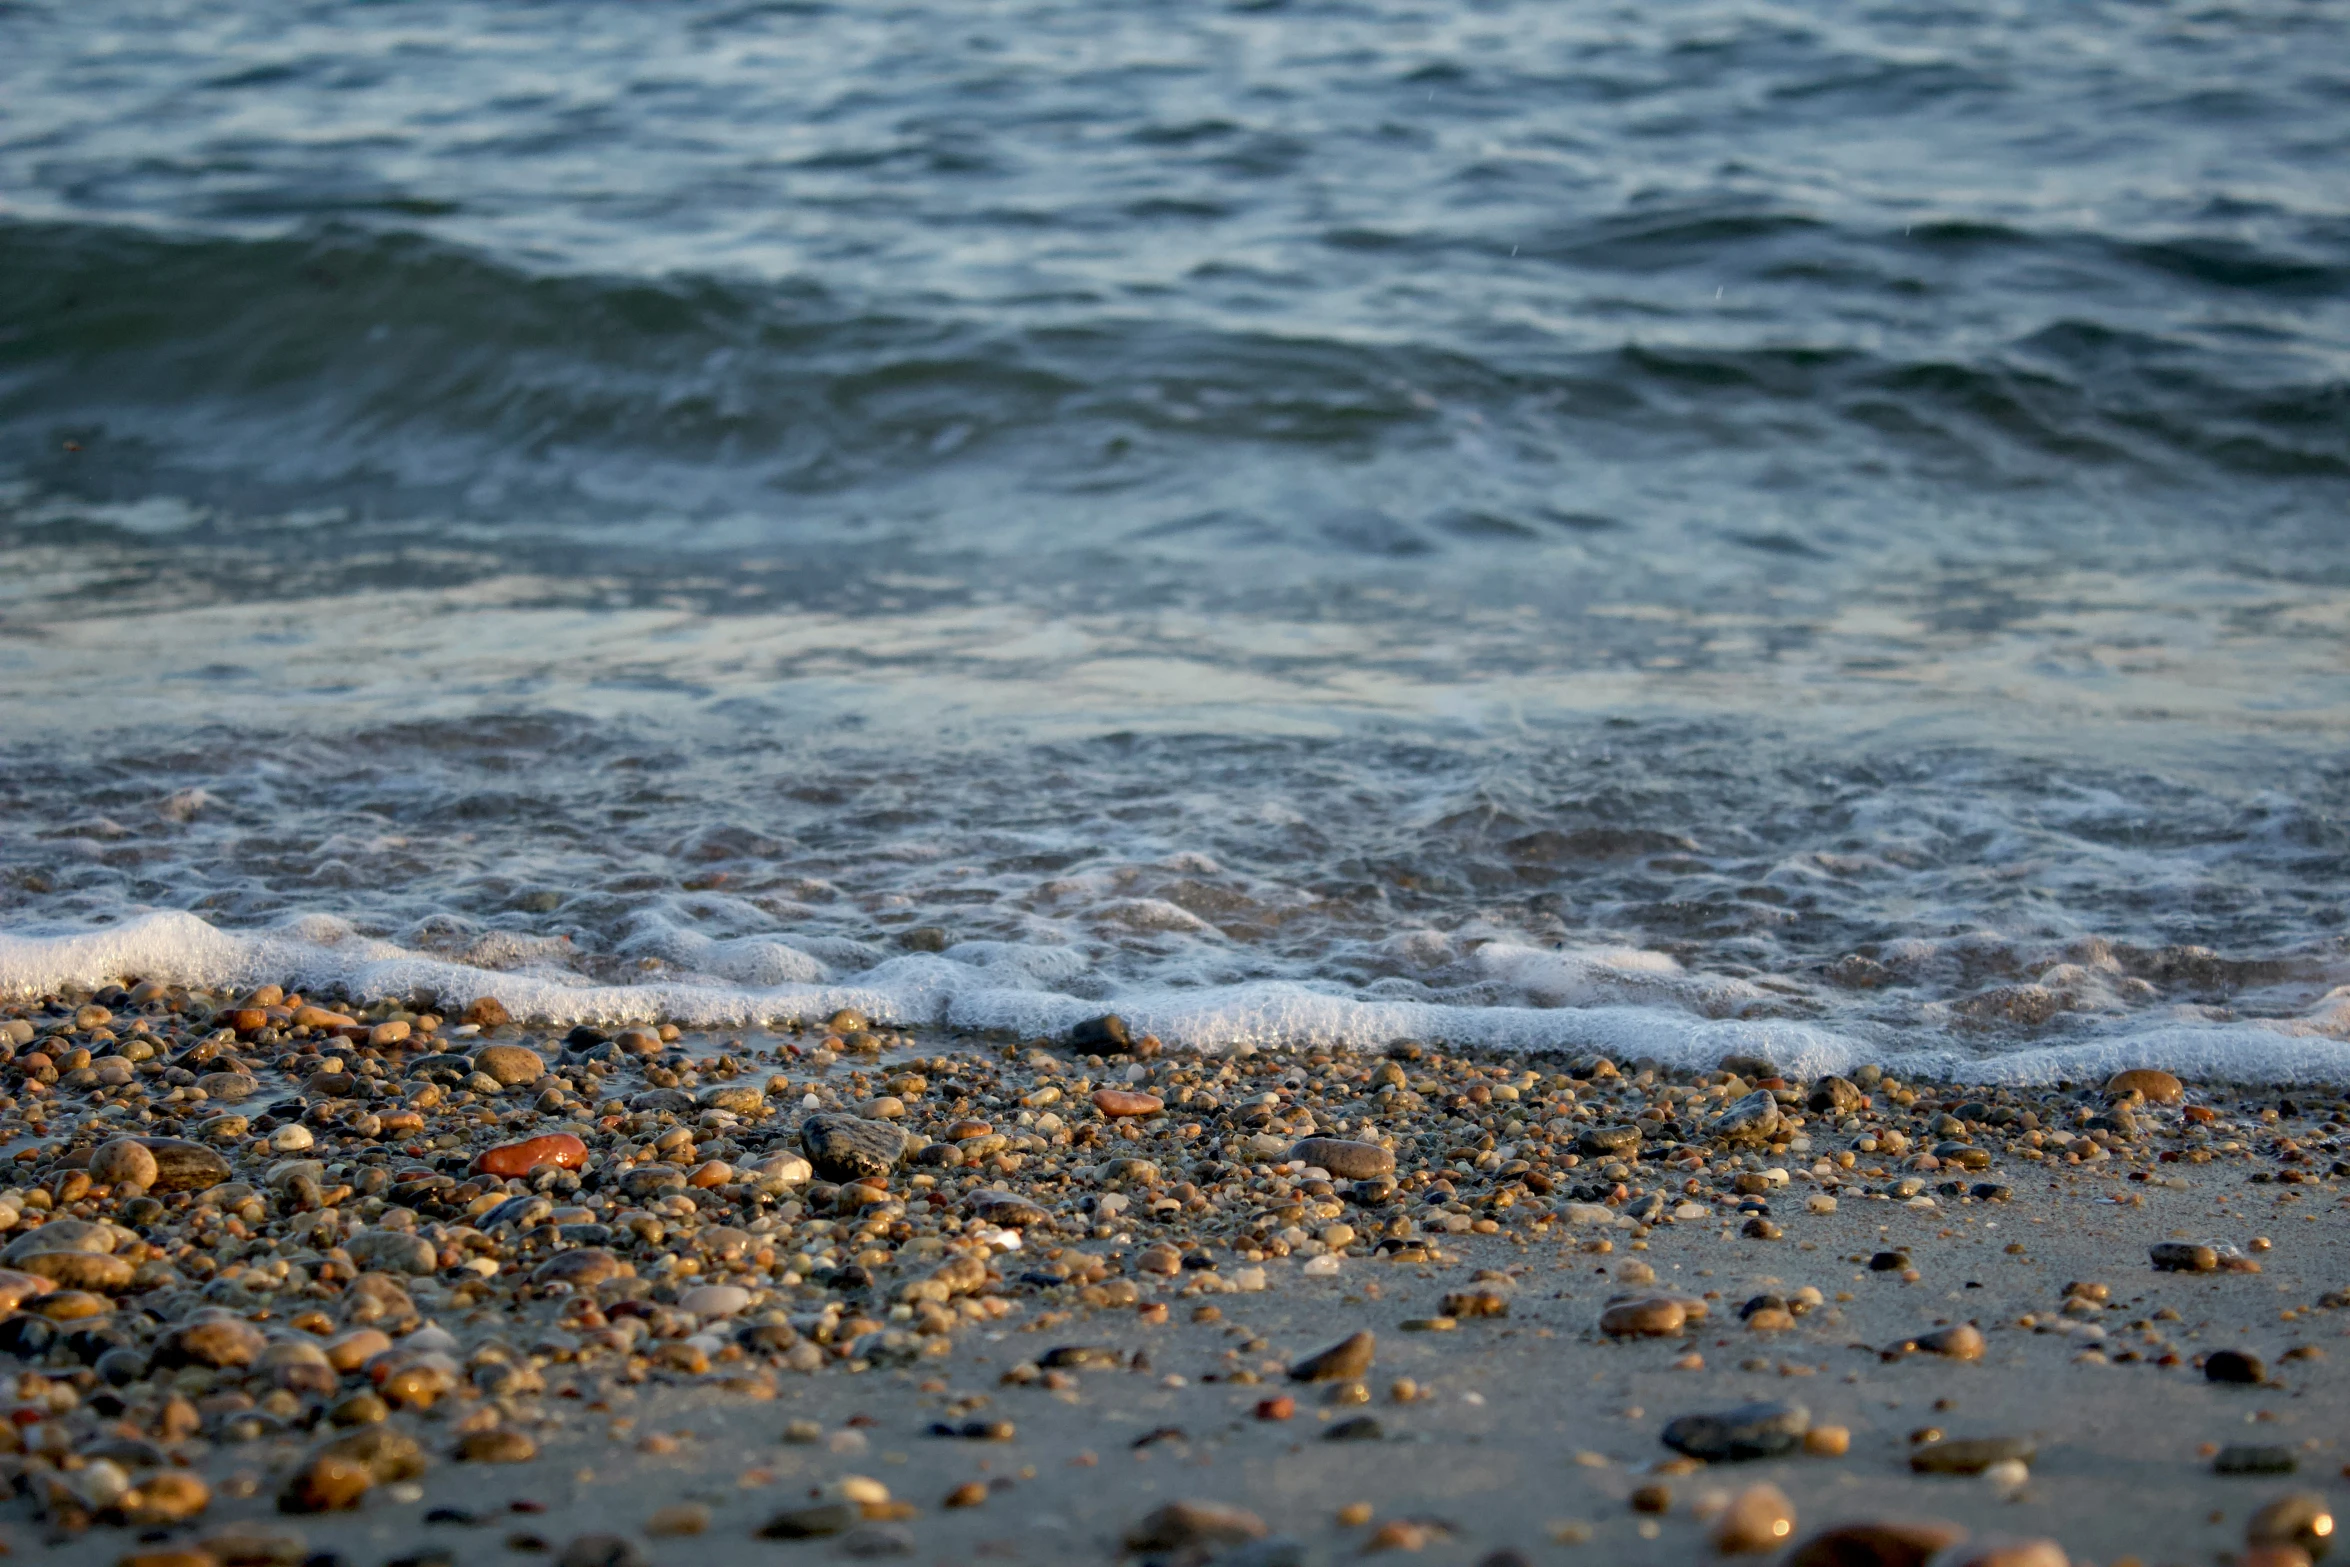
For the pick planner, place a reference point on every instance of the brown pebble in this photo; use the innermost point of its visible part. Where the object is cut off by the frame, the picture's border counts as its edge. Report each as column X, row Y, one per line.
column 326, row 1484
column 1827, row 1441
column 1193, row 1526
column 1343, row 1361
column 685, row 1518
column 1758, row 1519
column 2003, row 1553
column 498, row 1446
column 1652, row 1499
column 1653, row 1317
column 2301, row 1519
column 1121, row 1102
column 971, row 1493
column 2160, row 1088
column 1876, row 1544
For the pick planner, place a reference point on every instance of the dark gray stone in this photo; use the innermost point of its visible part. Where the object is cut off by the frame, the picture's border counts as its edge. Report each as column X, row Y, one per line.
column 846, row 1147
column 1735, row 1435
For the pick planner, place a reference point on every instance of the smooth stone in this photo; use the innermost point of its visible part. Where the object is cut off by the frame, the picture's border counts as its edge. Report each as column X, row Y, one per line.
column 1195, row 1526
column 508, row 1160
column 78, row 1270
column 124, row 1162
column 509, row 1065
column 2236, row 1366
column 1361, row 1428
column 1117, row 1103
column 1343, row 1361
column 1835, row 1096
column 588, row 1266
column 1759, row 1519
column 2247, row 1458
column 1655, row 1317
column 1876, row 1544
column 1751, row 1119
column 500, row 1445
column 1959, row 1341
column 2184, row 1257
column 715, row 1300
column 64, row 1235
column 220, row 1341
column 389, row 1454
column 1970, row 1455
column 1006, row 1209
column 1348, row 1161
column 812, row 1523
column 846, row 1147
column 2159, row 1088
column 392, row 1251
column 229, row 1087
column 1750, row 1431
column 17, row 1288
column 1105, row 1035
column 2302, row 1518
column 326, row 1484
column 183, row 1166
column 1604, row 1141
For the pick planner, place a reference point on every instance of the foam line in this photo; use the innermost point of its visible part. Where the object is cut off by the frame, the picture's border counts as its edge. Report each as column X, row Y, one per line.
column 320, row 952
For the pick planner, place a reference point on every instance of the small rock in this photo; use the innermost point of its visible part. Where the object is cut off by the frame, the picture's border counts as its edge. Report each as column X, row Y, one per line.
column 1195, row 1526
column 1876, row 1544
column 77, row 1270
column 2245, row 1458
column 509, row 1065
column 2236, row 1366
column 847, row 1147
column 1348, row 1161
column 326, row 1484
column 1763, row 1430
column 1959, row 1341
column 2303, row 1519
column 1835, row 1096
column 2159, row 1088
column 1361, row 1428
column 500, row 1445
column 601, row 1550
column 1117, row 1103
column 1344, row 1361
column 709, row 1301
column 1758, row 1519
column 685, row 1518
column 124, row 1163
column 2185, row 1257
column 1970, row 1455
column 1604, row 1142
column 220, row 1340
column 581, row 1269
column 1653, row 1317
column 1751, row 1119
column 812, row 1522
column 508, row 1160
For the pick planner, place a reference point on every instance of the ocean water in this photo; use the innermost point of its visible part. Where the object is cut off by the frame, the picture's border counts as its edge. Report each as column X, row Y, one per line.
column 1664, row 529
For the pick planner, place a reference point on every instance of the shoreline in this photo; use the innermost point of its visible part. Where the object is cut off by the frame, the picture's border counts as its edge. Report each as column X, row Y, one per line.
column 303, row 1284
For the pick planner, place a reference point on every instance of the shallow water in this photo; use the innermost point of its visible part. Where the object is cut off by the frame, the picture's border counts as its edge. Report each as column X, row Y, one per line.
column 1665, row 529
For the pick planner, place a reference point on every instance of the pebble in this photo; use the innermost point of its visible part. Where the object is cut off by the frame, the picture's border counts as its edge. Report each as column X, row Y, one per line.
column 2247, row 1458
column 2159, row 1088
column 1887, row 1543
column 500, row 1445
column 1750, row 1431
column 1195, row 1526
column 1349, row 1161
column 1970, row 1455
column 846, row 1147
column 1345, row 1361
column 1118, row 1103
column 2235, row 1366
column 560, row 1149
column 1759, row 1519
column 2302, row 1519
column 2185, row 1257
column 683, row 1519
column 1652, row 1317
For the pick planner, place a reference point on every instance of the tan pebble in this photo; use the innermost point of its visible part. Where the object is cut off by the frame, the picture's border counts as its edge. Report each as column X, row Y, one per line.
column 2159, row 1087
column 1397, row 1534
column 1654, row 1317
column 971, row 1493
column 181, row 1557
column 1189, row 1525
column 1120, row 1102
column 1159, row 1258
column 326, row 1484
column 1354, row 1515
column 124, row 1163
column 1758, row 1519
column 2302, row 1519
column 497, row 1447
column 685, row 1518
column 1652, row 1499
column 167, row 1497
column 1344, row 1361
column 1827, row 1441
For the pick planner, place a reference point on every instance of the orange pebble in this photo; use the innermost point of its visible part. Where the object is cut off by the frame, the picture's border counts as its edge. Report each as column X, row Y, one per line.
column 560, row 1149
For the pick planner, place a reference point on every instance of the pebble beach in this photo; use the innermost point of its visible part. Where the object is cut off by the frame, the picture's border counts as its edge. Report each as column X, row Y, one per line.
column 318, row 1280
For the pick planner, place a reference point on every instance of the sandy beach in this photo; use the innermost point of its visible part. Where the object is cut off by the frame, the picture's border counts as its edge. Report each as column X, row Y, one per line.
column 823, row 1290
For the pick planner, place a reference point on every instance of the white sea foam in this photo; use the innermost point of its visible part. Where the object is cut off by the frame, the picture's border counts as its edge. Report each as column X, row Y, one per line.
column 1628, row 1005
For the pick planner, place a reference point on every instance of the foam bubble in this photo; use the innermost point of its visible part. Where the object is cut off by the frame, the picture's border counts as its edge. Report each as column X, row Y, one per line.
column 984, row 986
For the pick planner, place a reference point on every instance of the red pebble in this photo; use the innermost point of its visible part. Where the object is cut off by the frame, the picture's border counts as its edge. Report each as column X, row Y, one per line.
column 1116, row 1102
column 561, row 1149
column 1276, row 1408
